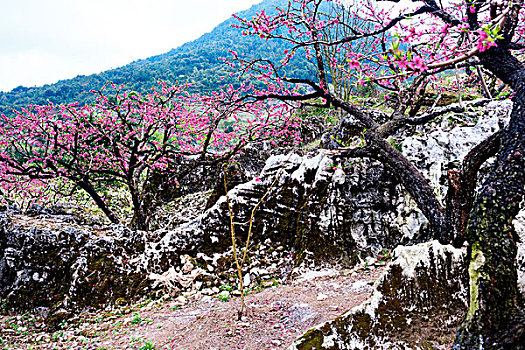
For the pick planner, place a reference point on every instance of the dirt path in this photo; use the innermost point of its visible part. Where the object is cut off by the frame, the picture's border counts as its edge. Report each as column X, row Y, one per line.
column 276, row 315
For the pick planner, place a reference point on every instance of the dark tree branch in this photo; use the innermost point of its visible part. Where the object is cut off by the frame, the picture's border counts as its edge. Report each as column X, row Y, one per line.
column 516, row 46
column 430, row 7
column 413, row 181
column 86, row 186
column 462, row 185
column 456, row 108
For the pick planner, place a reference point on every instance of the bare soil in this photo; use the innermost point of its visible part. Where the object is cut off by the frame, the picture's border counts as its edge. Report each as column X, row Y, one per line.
column 275, row 316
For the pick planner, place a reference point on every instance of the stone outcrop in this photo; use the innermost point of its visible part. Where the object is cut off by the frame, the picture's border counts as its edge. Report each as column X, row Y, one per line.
column 51, row 264
column 61, row 261
column 312, row 203
column 435, row 149
column 419, row 301
column 416, row 304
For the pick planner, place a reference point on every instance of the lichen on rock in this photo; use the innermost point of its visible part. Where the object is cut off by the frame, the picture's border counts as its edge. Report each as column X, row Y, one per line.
column 51, row 265
column 418, row 301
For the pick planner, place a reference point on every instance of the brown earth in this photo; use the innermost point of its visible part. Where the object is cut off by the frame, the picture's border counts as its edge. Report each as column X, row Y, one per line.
column 275, row 316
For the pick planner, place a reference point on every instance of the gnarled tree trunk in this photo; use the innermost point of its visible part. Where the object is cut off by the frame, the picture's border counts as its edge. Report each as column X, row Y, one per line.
column 494, row 319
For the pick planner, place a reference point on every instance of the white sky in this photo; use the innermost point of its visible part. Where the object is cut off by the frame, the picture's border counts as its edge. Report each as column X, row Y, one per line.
column 43, row 41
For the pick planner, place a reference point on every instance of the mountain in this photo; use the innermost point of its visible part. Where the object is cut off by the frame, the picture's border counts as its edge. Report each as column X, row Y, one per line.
column 195, row 62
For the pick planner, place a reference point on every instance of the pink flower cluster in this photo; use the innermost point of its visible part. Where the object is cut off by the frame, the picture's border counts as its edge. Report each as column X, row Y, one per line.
column 485, row 42
column 125, row 133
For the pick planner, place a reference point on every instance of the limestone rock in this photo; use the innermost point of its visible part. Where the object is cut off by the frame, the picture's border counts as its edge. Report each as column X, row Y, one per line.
column 335, row 208
column 434, row 150
column 313, row 205
column 417, row 302
column 55, row 267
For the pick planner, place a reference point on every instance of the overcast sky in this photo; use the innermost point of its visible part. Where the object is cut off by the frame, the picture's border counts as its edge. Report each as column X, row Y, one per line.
column 43, row 41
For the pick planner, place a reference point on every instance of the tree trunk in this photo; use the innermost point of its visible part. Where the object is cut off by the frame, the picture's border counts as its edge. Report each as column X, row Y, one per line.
column 141, row 219
column 494, row 319
column 86, row 186
column 461, row 189
column 145, row 202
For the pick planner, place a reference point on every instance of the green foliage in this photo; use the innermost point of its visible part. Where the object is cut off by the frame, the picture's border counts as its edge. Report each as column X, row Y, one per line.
column 226, row 287
column 63, row 324
column 57, row 336
column 137, row 319
column 384, row 256
column 196, row 62
column 223, row 297
column 148, row 346
column 396, row 144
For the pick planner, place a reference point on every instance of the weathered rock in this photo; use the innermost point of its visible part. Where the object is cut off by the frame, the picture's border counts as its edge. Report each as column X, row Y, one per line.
column 335, row 208
column 177, row 212
column 55, row 267
column 431, row 300
column 435, row 149
column 75, row 214
column 417, row 302
column 313, row 205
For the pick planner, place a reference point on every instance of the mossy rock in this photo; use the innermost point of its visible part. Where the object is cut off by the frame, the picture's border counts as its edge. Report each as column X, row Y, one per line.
column 57, row 272
column 418, row 302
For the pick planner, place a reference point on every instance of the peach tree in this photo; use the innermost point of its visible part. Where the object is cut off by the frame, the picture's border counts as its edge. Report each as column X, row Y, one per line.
column 146, row 145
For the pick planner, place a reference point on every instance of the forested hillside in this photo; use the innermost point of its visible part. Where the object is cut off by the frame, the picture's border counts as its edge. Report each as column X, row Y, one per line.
column 196, row 62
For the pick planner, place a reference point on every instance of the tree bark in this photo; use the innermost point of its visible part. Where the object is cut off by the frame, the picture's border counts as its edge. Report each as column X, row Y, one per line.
column 145, row 202
column 461, row 189
column 494, row 319
column 86, row 186
column 414, row 182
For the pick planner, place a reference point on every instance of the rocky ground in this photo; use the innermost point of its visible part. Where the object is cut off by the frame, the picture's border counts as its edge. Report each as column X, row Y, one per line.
column 275, row 316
